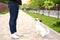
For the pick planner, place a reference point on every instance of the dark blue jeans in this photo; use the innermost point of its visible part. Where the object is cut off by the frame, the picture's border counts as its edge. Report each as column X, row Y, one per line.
column 13, row 8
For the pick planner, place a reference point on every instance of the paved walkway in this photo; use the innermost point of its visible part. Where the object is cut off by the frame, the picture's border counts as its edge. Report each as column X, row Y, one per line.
column 25, row 26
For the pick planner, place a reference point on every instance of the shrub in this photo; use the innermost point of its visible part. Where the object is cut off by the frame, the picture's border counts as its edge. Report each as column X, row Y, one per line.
column 3, row 7
column 4, row 1
column 57, row 24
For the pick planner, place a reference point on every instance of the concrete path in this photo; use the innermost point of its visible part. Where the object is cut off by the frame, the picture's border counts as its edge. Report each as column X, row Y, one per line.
column 25, row 26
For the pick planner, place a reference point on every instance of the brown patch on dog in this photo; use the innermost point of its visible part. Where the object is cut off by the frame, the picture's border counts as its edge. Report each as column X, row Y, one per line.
column 36, row 19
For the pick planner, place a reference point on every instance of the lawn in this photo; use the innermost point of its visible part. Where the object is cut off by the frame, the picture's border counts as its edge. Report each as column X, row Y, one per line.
column 3, row 12
column 49, row 21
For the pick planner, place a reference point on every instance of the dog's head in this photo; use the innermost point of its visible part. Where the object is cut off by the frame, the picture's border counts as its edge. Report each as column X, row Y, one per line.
column 37, row 19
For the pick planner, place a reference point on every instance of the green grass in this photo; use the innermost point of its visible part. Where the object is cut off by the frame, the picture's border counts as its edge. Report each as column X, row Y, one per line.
column 4, row 1
column 3, row 12
column 49, row 21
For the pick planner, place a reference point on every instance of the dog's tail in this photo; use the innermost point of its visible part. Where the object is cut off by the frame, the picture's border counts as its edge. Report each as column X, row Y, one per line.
column 48, row 31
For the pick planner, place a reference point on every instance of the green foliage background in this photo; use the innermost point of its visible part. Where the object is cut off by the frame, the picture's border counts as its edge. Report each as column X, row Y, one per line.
column 4, row 1
column 36, row 4
column 56, row 1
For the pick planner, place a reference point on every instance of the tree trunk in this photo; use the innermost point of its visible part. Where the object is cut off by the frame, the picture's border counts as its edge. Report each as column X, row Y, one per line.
column 58, row 14
column 43, row 12
column 48, row 12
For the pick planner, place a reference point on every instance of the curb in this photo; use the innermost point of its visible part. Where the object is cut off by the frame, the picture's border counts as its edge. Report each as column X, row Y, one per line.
column 51, row 29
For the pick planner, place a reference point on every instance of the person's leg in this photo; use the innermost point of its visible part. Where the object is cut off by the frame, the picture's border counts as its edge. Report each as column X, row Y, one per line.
column 13, row 8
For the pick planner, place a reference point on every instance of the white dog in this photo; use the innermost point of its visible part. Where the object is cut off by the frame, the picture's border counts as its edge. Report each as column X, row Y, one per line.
column 40, row 29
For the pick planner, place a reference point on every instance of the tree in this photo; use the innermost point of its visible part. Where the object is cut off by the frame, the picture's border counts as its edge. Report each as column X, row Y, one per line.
column 48, row 4
column 36, row 4
column 56, row 1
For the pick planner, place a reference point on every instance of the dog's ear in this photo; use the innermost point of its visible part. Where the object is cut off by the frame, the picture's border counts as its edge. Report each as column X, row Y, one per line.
column 40, row 20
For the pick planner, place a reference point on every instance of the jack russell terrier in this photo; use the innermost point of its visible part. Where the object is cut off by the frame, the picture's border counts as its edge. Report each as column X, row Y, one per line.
column 40, row 29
